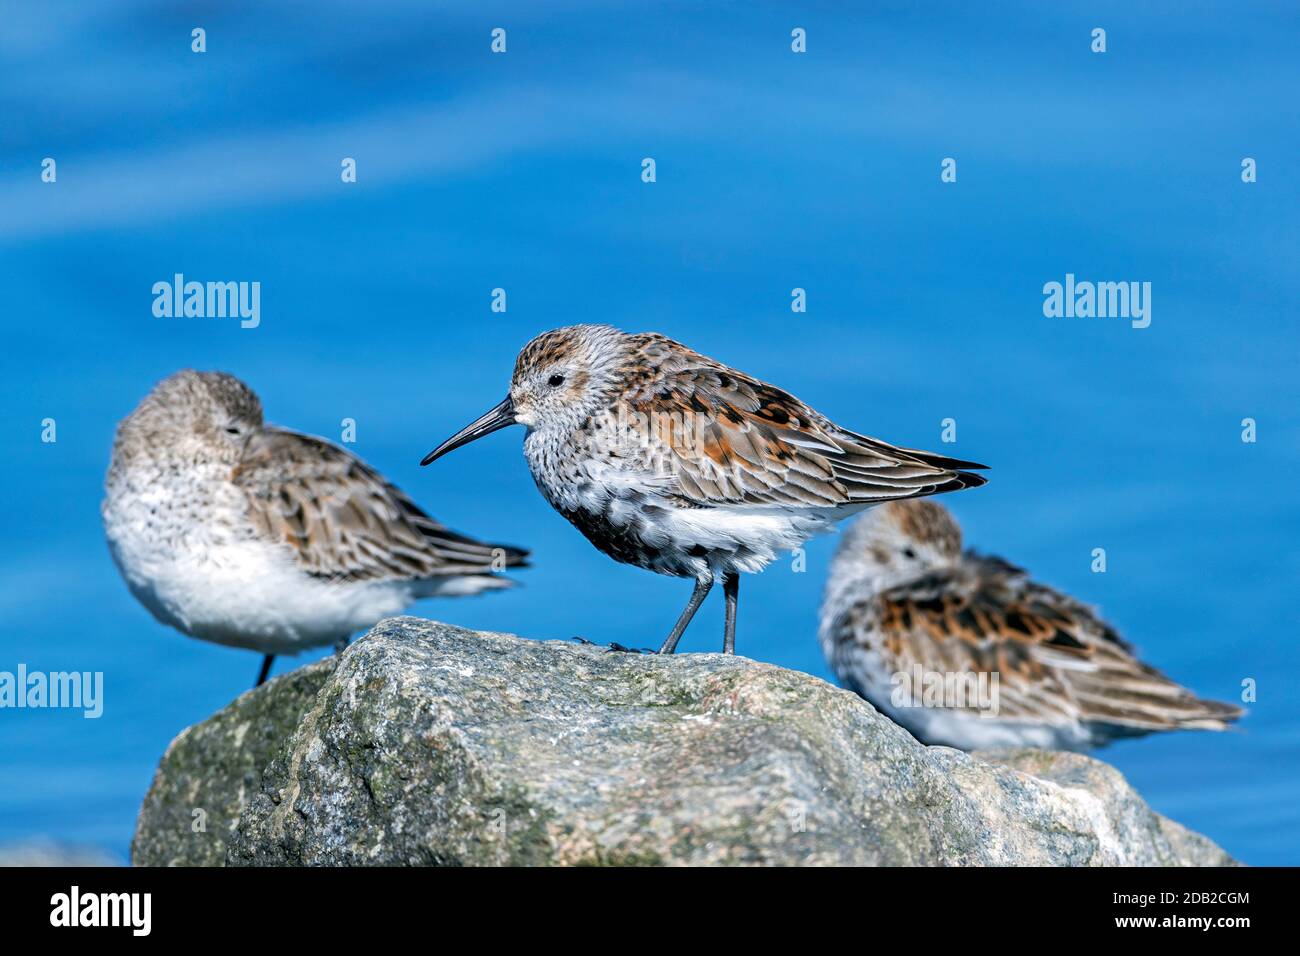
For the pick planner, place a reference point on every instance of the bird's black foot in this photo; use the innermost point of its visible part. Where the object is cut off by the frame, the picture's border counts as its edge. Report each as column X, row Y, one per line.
column 341, row 646
column 611, row 646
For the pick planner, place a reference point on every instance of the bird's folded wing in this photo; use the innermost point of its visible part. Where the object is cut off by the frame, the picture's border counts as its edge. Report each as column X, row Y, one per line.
column 1056, row 661
column 343, row 521
column 729, row 439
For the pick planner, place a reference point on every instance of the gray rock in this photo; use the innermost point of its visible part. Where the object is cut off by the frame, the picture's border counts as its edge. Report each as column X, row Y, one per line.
column 430, row 744
column 211, row 770
column 1106, row 806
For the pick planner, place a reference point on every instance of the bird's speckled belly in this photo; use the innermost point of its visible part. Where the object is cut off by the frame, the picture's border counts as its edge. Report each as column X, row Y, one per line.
column 625, row 531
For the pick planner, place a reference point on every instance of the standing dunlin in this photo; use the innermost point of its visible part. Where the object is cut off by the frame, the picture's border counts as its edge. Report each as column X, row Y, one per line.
column 673, row 462
column 909, row 618
column 252, row 536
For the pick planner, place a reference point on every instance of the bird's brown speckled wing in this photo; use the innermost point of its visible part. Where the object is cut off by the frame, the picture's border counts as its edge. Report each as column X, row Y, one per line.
column 1057, row 662
column 741, row 441
column 343, row 521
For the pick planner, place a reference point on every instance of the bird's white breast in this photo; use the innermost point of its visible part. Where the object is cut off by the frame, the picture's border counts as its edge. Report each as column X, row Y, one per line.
column 648, row 525
column 189, row 554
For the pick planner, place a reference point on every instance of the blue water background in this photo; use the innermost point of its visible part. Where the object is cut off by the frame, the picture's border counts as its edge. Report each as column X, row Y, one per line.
column 775, row 171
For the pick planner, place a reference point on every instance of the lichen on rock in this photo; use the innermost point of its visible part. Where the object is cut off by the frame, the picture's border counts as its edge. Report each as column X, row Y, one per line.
column 433, row 745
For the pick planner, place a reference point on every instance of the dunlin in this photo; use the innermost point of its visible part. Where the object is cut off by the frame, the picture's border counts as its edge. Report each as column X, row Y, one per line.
column 907, row 612
column 676, row 463
column 253, row 536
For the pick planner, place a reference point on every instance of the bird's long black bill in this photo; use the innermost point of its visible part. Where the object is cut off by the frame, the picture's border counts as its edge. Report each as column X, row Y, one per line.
column 494, row 420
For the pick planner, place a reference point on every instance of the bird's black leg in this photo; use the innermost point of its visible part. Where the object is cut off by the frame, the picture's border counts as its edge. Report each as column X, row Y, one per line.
column 730, row 590
column 265, row 671
column 702, row 586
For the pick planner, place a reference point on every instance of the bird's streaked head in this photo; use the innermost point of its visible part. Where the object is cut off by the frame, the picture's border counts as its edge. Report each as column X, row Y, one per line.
column 564, row 373
column 901, row 539
column 561, row 379
column 198, row 416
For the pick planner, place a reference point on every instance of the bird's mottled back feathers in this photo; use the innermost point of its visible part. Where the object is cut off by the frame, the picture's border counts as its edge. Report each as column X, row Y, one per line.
column 1057, row 661
column 735, row 440
column 343, row 521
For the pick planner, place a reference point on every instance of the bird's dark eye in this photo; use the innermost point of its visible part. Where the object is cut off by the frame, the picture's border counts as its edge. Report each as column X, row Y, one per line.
column 233, row 430
column 909, row 554
column 555, row 381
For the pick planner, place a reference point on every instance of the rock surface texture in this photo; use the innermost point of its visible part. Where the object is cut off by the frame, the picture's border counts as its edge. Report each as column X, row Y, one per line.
column 428, row 744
